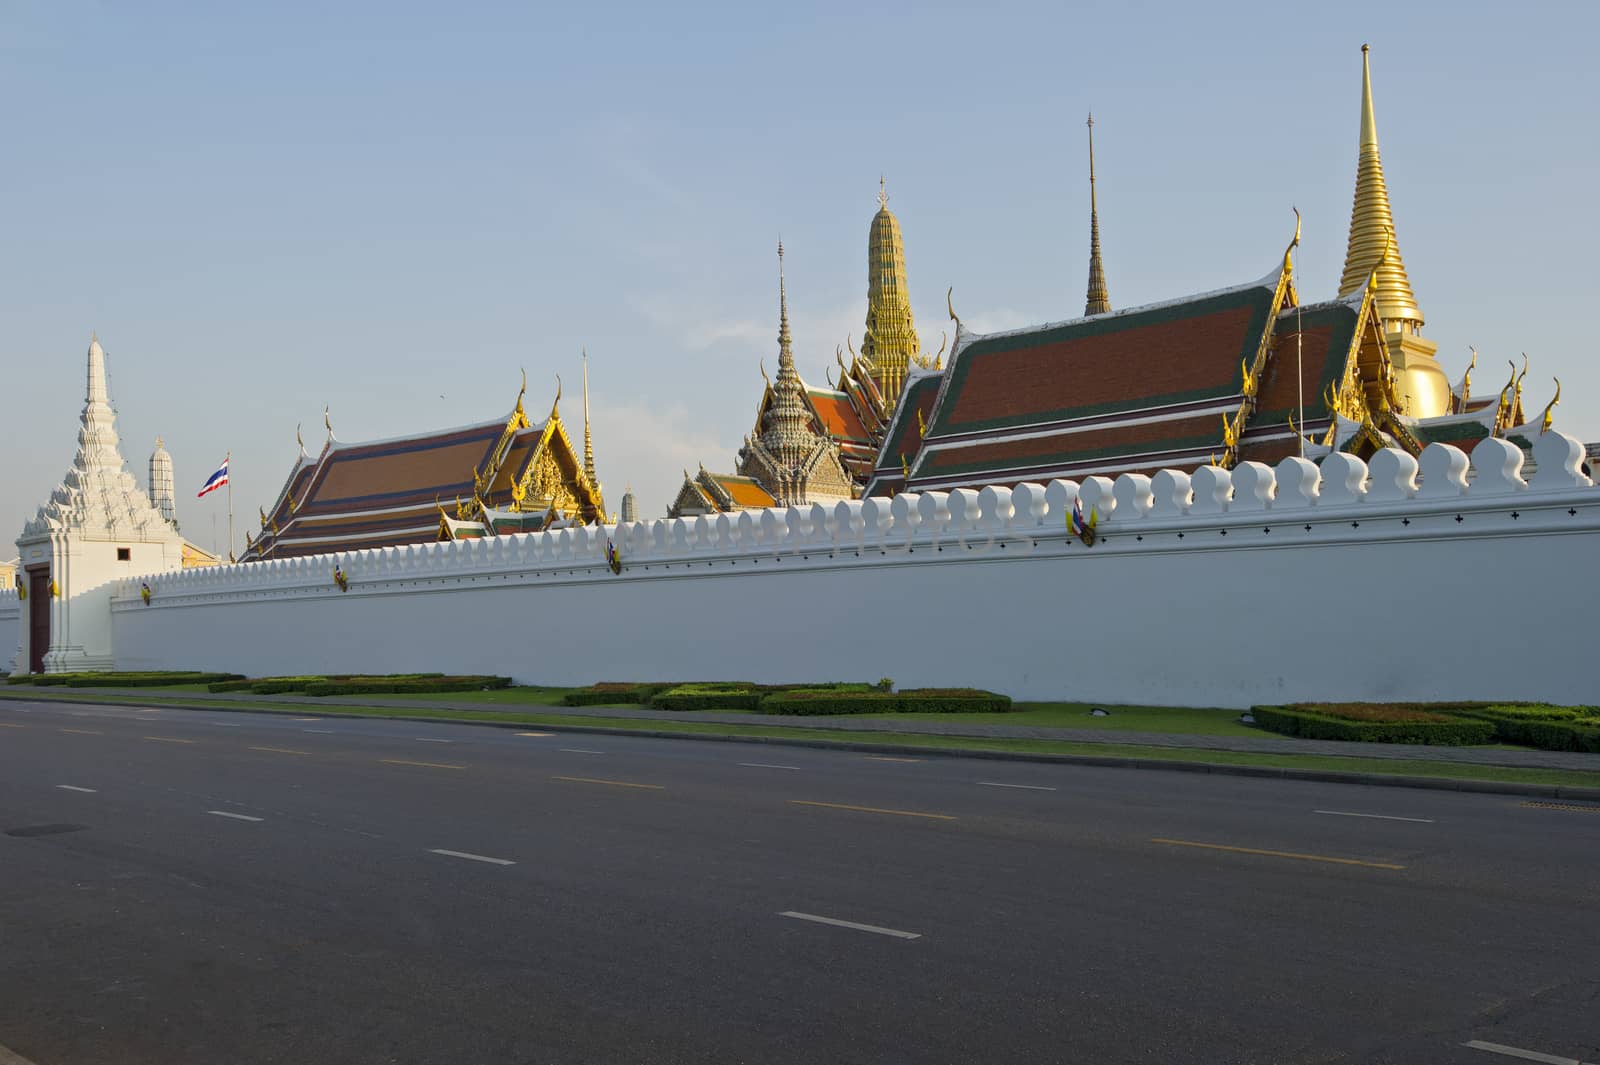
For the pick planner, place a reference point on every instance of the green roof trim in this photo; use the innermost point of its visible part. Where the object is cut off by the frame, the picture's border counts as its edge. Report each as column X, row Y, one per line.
column 1059, row 458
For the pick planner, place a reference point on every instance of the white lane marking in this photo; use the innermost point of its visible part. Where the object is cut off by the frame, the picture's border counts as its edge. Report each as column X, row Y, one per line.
column 579, row 750
column 430, row 739
column 766, row 765
column 236, row 817
column 305, row 719
column 536, row 734
column 226, row 724
column 472, row 857
column 895, row 932
column 148, row 709
column 1375, row 817
column 74, row 787
column 1518, row 1052
column 1025, row 787
column 320, row 731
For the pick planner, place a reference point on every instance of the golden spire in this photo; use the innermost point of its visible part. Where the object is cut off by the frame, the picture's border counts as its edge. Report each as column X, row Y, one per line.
column 1098, row 300
column 1372, row 226
column 890, row 342
column 588, row 440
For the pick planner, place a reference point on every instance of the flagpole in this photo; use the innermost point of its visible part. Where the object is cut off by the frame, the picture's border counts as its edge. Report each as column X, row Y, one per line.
column 229, row 460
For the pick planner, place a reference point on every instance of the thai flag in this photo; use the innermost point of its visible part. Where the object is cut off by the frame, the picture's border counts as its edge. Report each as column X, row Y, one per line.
column 215, row 481
column 1078, row 525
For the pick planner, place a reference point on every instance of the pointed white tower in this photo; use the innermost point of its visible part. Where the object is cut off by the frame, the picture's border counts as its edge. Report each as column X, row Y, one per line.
column 98, row 526
column 163, row 494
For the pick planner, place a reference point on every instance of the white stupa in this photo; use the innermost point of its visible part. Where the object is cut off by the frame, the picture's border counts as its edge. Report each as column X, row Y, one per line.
column 97, row 527
column 163, row 492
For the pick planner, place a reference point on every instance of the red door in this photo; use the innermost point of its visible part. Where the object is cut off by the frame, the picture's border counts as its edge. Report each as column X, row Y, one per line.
column 38, row 618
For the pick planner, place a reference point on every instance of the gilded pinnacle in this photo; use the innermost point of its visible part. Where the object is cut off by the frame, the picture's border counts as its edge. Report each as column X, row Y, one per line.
column 1098, row 298
column 889, row 345
column 1372, row 226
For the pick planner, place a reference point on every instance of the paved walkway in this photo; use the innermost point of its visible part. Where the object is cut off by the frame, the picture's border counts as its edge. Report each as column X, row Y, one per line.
column 1266, row 744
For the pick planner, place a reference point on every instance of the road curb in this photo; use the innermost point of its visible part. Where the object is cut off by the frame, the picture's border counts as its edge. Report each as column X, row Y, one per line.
column 1110, row 761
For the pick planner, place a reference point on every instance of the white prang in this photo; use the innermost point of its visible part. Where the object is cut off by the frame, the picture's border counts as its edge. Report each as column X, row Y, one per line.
column 98, row 527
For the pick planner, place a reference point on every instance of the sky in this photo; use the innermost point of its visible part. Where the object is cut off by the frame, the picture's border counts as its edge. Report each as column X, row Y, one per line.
column 390, row 209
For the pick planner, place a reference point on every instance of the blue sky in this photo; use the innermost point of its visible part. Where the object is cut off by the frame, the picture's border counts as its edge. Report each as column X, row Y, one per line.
column 391, row 208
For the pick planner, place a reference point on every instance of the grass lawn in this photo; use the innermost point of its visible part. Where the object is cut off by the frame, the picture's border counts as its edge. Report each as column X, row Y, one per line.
column 1123, row 719
column 1353, row 763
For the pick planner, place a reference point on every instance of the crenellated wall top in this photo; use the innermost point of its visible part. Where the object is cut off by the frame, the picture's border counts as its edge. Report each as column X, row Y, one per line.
column 1393, row 496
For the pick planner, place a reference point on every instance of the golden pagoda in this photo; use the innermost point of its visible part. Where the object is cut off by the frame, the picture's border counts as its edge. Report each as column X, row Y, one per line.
column 1420, row 384
column 889, row 346
column 1098, row 298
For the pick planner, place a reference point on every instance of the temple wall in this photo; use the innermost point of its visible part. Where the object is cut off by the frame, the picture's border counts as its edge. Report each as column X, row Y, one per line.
column 1221, row 588
column 11, row 615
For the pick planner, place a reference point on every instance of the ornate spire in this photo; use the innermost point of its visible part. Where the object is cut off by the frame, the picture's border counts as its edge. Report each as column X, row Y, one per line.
column 588, row 439
column 1372, row 226
column 786, row 427
column 890, row 342
column 1098, row 300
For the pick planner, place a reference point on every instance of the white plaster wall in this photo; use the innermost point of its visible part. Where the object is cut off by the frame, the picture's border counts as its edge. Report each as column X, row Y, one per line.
column 1206, row 591
column 11, row 615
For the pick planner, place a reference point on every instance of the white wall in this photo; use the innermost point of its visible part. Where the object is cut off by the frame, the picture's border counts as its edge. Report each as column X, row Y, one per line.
column 12, row 613
column 1210, row 591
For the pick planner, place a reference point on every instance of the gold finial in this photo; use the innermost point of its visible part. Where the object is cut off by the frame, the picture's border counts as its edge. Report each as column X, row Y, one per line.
column 557, row 403
column 298, row 438
column 1098, row 298
column 951, row 307
column 1466, row 379
column 883, row 194
column 764, row 377
column 1372, row 225
column 905, row 467
column 1549, row 417
column 263, row 512
column 1295, row 243
column 524, row 389
column 158, row 443
column 327, row 420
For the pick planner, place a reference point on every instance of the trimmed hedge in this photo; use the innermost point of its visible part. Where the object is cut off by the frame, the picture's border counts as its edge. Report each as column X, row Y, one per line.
column 732, row 695
column 613, row 693
column 278, row 685
column 1403, row 725
column 872, row 701
column 1549, row 728
column 402, row 685
column 119, row 680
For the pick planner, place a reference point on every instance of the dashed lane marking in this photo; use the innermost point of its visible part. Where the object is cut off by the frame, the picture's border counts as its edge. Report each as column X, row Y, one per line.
column 430, row 739
column 321, row 731
column 766, row 765
column 472, row 857
column 425, row 765
column 74, row 787
column 536, row 734
column 579, row 750
column 82, row 731
column 1276, row 854
column 305, row 719
column 871, row 809
column 613, row 783
column 1518, row 1052
column 887, row 758
column 226, row 724
column 166, row 739
column 1023, row 787
column 1375, row 817
column 835, row 922
column 10, row 724
column 279, row 750
column 236, row 817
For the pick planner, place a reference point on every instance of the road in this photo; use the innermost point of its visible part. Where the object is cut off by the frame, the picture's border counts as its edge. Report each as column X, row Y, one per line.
column 181, row 886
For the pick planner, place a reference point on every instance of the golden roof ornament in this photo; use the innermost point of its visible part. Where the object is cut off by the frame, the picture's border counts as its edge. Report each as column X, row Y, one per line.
column 1372, row 226
column 1548, row 418
column 1098, row 298
column 889, row 345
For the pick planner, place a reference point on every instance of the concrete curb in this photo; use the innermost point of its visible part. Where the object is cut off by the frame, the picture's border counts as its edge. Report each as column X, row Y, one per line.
column 1325, row 776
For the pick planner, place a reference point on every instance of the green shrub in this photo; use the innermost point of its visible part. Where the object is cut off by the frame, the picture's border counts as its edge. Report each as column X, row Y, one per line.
column 149, row 680
column 405, row 685
column 873, row 701
column 724, row 695
column 1549, row 728
column 1394, row 724
column 613, row 693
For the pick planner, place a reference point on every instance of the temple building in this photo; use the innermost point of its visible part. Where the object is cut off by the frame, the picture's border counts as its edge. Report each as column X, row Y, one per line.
column 1245, row 373
column 508, row 475
column 812, row 443
column 97, row 526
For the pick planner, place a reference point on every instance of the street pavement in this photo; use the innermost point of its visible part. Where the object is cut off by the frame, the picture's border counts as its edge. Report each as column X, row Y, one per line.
column 182, row 886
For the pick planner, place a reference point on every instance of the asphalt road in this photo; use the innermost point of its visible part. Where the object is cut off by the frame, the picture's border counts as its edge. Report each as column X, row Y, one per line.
column 183, row 886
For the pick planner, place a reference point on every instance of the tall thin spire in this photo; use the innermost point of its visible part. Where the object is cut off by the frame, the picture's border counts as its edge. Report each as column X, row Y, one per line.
column 785, row 352
column 588, row 439
column 1372, row 226
column 786, row 426
column 1098, row 299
